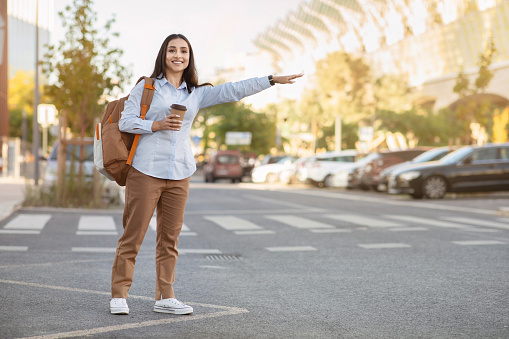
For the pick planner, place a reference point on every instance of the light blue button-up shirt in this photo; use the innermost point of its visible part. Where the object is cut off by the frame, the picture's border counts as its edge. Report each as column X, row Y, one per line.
column 168, row 154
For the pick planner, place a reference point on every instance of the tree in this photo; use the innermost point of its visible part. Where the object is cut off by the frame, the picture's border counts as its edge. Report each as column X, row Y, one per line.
column 84, row 68
column 238, row 117
column 470, row 108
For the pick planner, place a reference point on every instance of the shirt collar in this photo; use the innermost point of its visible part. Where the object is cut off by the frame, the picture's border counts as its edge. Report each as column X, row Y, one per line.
column 162, row 81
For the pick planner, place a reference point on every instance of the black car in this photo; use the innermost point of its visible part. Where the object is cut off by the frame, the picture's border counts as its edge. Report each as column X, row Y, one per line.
column 431, row 155
column 468, row 169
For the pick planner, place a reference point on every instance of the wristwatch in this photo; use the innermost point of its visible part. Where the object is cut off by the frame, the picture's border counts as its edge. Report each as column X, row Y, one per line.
column 271, row 80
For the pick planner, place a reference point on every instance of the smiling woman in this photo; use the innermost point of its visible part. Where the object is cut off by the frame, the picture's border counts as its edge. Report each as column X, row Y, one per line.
column 164, row 162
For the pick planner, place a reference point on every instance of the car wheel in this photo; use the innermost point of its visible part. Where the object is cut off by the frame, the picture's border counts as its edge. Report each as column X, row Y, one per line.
column 434, row 187
column 207, row 179
column 270, row 178
column 327, row 182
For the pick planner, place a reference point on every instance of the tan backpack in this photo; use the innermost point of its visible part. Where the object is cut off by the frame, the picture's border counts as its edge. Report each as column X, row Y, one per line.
column 114, row 150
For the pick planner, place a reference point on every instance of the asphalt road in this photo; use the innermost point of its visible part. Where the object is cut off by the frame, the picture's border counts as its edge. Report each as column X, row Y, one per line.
column 270, row 262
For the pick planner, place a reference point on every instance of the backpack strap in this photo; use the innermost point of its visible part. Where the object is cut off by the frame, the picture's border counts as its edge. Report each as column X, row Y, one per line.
column 146, row 100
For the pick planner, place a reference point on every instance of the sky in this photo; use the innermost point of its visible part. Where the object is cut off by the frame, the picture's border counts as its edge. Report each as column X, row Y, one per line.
column 218, row 30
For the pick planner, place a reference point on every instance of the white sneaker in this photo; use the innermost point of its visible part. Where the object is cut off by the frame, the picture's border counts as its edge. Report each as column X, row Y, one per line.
column 118, row 306
column 173, row 306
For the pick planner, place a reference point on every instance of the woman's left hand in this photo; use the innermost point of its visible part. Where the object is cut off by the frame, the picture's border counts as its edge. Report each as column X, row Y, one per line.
column 286, row 79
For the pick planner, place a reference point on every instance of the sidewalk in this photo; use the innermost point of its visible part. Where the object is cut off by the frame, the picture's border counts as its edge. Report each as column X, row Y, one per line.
column 12, row 194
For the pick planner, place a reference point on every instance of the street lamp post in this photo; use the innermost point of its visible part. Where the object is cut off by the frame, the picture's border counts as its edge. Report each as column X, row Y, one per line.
column 35, row 136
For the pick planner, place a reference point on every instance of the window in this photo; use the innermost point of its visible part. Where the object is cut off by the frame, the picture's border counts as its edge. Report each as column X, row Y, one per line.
column 227, row 159
column 504, row 153
column 485, row 154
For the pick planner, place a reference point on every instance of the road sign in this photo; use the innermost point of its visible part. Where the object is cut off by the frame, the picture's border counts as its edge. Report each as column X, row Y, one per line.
column 238, row 138
column 46, row 115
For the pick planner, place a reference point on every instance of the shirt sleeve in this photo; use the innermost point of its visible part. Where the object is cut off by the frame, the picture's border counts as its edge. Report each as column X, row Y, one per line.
column 130, row 120
column 232, row 91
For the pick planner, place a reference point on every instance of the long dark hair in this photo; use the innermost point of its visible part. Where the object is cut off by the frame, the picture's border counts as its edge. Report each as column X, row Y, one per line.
column 190, row 73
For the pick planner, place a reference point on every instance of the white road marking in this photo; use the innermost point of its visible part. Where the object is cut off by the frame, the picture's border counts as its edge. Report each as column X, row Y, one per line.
column 290, row 249
column 13, row 248
column 153, row 226
column 426, row 221
column 408, row 229
column 96, row 223
column 384, row 245
column 233, row 223
column 478, row 242
column 298, row 222
column 19, row 232
column 28, row 222
column 478, row 222
column 225, row 311
column 199, row 251
column 256, row 232
column 362, row 220
column 336, row 230
column 94, row 249
column 96, row 233
column 188, row 234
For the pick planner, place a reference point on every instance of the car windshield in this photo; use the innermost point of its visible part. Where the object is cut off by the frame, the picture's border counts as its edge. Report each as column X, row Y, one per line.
column 227, row 159
column 430, row 155
column 457, row 155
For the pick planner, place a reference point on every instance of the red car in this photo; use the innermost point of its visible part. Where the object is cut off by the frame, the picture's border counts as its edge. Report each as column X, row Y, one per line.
column 224, row 164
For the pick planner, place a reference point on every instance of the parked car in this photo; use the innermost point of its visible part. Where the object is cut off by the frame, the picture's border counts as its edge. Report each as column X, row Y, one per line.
column 270, row 172
column 224, row 164
column 49, row 176
column 431, row 155
column 295, row 172
column 321, row 170
column 366, row 176
column 468, row 169
column 271, row 159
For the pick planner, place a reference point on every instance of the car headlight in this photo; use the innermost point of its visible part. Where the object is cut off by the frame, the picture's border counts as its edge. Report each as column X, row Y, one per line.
column 407, row 176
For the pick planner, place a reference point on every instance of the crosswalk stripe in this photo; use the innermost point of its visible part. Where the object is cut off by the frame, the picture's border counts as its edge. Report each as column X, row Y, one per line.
column 290, row 249
column 255, row 232
column 28, row 222
column 19, row 232
column 479, row 242
column 96, row 233
column 94, row 249
column 336, row 230
column 233, row 223
column 153, row 226
column 426, row 221
column 384, row 245
column 199, row 251
column 362, row 220
column 96, row 225
column 477, row 222
column 13, row 248
column 298, row 222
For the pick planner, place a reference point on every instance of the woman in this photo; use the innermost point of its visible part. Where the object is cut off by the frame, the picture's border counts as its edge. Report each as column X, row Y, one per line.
column 163, row 164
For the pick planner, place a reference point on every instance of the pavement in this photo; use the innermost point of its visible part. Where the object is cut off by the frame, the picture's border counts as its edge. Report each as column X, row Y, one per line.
column 12, row 194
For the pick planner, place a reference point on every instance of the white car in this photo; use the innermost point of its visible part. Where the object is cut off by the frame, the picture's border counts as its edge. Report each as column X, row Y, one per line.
column 321, row 170
column 270, row 172
column 296, row 172
column 340, row 178
column 110, row 189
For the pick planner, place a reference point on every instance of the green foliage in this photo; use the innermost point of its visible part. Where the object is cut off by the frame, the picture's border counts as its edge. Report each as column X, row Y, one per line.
column 83, row 69
column 237, row 117
column 471, row 109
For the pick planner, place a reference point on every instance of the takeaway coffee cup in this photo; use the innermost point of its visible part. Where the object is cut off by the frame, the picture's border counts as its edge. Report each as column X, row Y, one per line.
column 179, row 110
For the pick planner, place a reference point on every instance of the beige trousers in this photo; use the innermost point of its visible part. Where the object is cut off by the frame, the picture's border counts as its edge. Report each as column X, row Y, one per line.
column 143, row 194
